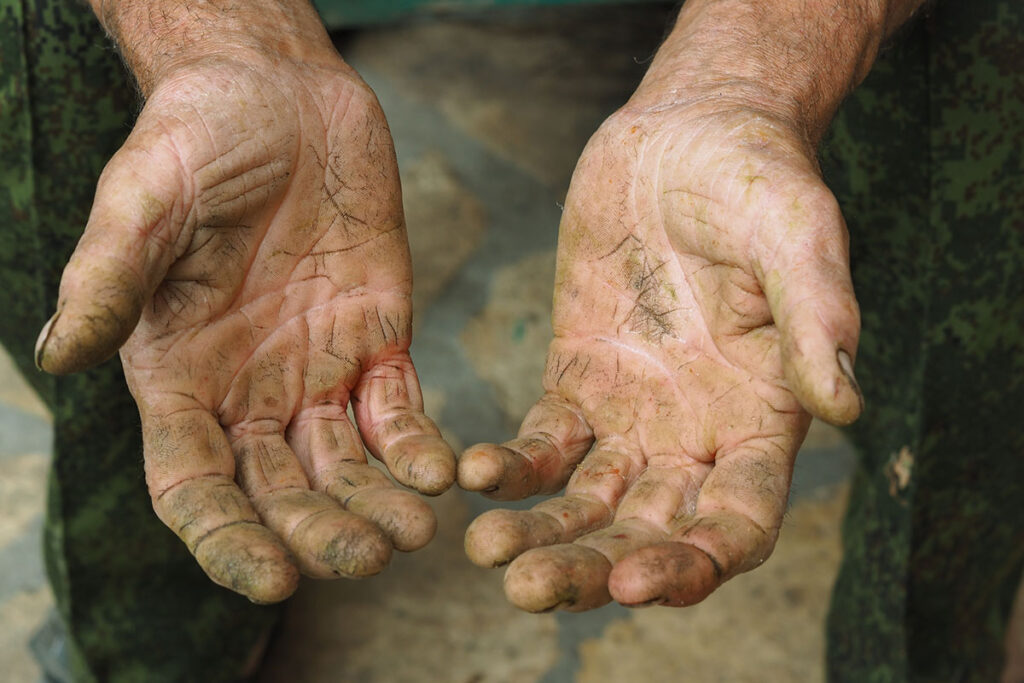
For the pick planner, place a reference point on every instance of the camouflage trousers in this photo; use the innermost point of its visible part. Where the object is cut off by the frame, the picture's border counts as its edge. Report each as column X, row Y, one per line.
column 925, row 159
column 136, row 605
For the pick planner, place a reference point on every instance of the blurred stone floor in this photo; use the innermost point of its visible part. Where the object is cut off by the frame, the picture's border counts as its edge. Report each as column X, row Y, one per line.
column 25, row 600
column 489, row 114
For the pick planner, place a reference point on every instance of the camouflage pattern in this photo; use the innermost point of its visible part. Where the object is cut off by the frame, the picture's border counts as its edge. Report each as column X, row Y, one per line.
column 925, row 159
column 136, row 604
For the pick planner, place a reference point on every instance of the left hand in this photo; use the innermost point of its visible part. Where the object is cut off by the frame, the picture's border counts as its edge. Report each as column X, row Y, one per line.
column 703, row 305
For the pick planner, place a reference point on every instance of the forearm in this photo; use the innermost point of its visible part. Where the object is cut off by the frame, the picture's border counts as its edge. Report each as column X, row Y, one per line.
column 156, row 37
column 796, row 58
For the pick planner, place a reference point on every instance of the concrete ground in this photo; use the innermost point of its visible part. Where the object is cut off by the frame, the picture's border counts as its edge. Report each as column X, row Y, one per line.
column 489, row 115
column 25, row 599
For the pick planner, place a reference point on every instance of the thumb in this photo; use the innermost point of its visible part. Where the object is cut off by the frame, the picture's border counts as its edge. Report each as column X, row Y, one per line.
column 120, row 260
column 810, row 292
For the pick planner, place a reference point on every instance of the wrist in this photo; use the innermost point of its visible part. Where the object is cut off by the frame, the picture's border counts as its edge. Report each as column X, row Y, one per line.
column 793, row 59
column 158, row 38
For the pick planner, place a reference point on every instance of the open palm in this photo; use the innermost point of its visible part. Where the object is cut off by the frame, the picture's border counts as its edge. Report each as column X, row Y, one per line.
column 252, row 227
column 702, row 303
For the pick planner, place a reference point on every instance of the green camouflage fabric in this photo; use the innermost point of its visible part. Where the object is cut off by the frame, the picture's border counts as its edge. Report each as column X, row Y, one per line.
column 925, row 159
column 137, row 606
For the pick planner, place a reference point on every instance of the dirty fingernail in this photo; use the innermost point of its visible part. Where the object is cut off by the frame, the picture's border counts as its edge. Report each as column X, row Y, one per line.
column 647, row 603
column 846, row 366
column 44, row 336
column 555, row 607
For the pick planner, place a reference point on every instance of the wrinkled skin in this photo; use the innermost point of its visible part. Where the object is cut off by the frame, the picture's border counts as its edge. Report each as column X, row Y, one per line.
column 702, row 305
column 252, row 224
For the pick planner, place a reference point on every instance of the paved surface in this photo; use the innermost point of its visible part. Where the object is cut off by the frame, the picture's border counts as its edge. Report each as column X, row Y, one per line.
column 25, row 600
column 489, row 116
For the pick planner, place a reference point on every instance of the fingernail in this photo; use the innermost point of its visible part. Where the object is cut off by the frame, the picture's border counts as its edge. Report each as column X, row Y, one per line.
column 649, row 603
column 846, row 366
column 557, row 606
column 44, row 336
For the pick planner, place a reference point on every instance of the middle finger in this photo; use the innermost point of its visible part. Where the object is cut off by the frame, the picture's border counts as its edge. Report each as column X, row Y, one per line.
column 328, row 446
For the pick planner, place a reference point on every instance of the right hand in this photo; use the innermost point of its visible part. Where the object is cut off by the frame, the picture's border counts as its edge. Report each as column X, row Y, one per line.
column 247, row 253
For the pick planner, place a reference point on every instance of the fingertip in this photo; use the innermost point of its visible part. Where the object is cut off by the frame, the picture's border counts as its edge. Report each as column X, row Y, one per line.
column 499, row 536
column 274, row 581
column 408, row 521
column 336, row 543
column 358, row 551
column 76, row 340
column 480, row 468
column 423, row 462
column 826, row 387
column 496, row 471
column 492, row 539
column 437, row 478
column 569, row 576
column 415, row 535
column 671, row 574
column 93, row 322
column 249, row 559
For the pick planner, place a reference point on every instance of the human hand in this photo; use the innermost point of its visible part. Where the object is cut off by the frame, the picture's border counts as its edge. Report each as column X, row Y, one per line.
column 247, row 247
column 703, row 304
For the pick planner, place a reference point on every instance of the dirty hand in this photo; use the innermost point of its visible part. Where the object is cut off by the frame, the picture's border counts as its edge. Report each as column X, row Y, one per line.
column 703, row 311
column 247, row 252
column 702, row 301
